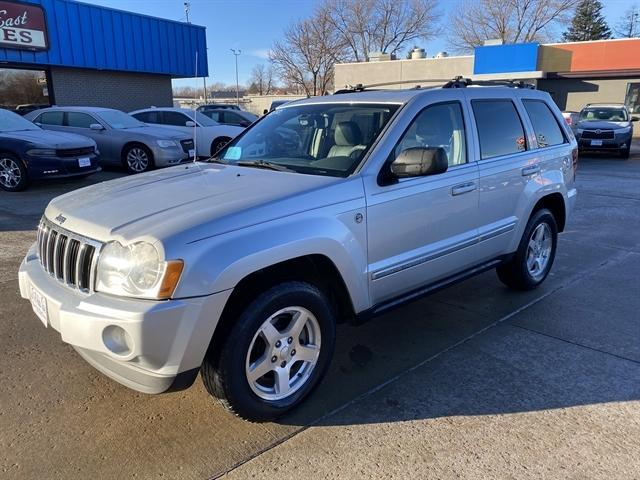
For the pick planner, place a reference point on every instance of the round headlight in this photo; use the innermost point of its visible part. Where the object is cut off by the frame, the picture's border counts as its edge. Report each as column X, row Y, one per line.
column 134, row 270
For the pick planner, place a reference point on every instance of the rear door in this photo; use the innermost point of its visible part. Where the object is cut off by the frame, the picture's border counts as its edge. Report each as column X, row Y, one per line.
column 507, row 163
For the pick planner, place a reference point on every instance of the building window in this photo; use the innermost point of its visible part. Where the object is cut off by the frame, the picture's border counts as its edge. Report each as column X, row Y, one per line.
column 632, row 99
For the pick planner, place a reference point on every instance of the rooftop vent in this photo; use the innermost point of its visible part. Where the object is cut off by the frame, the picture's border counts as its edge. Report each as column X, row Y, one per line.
column 418, row 53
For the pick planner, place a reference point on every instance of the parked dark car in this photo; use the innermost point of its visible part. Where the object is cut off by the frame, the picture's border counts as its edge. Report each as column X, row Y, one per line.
column 605, row 128
column 223, row 116
column 28, row 153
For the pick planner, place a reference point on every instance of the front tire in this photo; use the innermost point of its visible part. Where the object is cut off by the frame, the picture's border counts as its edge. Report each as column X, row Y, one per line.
column 137, row 159
column 624, row 153
column 218, row 144
column 277, row 351
column 531, row 264
column 13, row 173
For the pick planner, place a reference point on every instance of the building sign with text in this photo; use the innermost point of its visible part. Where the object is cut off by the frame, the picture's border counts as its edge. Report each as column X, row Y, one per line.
column 22, row 26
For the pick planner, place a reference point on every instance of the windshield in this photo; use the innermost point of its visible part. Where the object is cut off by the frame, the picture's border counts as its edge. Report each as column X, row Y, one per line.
column 610, row 114
column 326, row 139
column 118, row 120
column 12, row 122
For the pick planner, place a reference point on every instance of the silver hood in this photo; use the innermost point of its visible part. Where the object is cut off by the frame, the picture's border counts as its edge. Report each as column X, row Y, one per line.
column 191, row 202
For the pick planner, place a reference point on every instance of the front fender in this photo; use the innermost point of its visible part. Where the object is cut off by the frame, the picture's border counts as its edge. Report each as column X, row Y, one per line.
column 221, row 262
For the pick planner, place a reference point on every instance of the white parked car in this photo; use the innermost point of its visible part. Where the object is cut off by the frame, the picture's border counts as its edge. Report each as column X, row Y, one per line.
column 210, row 135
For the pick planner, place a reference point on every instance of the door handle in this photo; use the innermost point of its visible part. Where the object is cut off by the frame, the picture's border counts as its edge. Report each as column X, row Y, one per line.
column 532, row 170
column 463, row 188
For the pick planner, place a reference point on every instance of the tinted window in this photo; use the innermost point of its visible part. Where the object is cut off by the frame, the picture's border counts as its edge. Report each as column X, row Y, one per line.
column 50, row 118
column 148, row 117
column 174, row 118
column 215, row 115
column 79, row 120
column 499, row 128
column 440, row 126
column 232, row 118
column 544, row 123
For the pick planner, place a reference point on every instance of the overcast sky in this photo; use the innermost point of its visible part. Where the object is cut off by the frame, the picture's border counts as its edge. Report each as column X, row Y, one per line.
column 252, row 25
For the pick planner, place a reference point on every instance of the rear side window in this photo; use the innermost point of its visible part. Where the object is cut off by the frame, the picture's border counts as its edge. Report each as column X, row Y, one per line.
column 174, row 118
column 499, row 126
column 148, row 117
column 544, row 123
column 50, row 118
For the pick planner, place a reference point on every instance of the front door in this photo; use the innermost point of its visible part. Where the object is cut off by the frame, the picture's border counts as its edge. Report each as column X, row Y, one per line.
column 422, row 229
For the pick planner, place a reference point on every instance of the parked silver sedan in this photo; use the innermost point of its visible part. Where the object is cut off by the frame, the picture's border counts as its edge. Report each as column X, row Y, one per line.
column 122, row 139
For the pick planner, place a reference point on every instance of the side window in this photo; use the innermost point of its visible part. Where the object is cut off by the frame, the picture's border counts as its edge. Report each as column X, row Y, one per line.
column 50, row 118
column 174, row 118
column 439, row 126
column 232, row 118
column 499, row 128
column 215, row 115
column 79, row 120
column 544, row 123
column 148, row 117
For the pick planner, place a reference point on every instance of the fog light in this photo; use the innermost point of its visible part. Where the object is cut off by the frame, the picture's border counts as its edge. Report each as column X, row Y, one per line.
column 117, row 340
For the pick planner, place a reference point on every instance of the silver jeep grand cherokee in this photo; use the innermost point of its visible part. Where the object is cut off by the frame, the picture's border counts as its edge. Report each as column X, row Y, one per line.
column 326, row 210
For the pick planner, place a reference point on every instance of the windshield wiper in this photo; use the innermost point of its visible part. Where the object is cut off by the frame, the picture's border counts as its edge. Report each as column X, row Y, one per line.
column 265, row 165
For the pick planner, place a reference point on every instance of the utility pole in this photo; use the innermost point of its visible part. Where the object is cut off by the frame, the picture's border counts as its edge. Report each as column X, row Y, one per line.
column 237, row 53
column 632, row 23
column 187, row 8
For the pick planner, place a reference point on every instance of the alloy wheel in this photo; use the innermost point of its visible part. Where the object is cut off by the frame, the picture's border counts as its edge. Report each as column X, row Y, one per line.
column 539, row 250
column 137, row 159
column 283, row 353
column 10, row 174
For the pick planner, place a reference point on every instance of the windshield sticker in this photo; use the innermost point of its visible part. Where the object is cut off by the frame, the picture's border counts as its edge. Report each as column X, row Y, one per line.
column 233, row 153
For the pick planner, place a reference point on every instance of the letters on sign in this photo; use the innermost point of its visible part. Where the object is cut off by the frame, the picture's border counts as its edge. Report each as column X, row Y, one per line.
column 22, row 26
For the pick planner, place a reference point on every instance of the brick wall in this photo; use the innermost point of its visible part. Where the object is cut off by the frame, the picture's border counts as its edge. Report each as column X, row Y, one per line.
column 124, row 91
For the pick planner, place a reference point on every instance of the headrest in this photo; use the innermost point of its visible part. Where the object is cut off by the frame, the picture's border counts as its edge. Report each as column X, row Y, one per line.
column 348, row 133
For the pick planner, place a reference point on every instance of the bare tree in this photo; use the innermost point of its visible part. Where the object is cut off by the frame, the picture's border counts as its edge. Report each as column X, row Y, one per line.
column 366, row 26
column 307, row 53
column 474, row 21
column 629, row 24
column 262, row 79
column 18, row 87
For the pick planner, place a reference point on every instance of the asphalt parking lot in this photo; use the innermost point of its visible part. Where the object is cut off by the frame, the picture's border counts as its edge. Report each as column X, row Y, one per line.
column 473, row 382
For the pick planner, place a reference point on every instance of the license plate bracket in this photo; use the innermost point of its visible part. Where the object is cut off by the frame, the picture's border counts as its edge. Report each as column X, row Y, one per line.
column 84, row 162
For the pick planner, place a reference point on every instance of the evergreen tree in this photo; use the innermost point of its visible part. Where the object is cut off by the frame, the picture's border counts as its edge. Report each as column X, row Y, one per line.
column 588, row 23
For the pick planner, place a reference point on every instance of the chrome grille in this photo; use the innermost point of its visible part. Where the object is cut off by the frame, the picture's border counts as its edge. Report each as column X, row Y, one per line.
column 602, row 134
column 68, row 257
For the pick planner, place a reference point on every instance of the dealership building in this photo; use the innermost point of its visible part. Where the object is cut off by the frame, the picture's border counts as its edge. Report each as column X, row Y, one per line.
column 71, row 53
column 573, row 73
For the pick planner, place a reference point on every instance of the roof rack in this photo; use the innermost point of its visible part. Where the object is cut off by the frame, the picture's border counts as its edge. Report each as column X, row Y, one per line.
column 456, row 82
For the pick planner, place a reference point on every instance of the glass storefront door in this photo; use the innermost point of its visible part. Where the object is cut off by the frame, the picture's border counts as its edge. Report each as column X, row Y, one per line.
column 23, row 90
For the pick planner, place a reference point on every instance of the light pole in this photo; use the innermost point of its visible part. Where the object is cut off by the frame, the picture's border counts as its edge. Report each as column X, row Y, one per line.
column 237, row 53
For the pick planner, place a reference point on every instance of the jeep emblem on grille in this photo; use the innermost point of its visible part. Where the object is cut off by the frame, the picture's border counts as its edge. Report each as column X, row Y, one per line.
column 61, row 219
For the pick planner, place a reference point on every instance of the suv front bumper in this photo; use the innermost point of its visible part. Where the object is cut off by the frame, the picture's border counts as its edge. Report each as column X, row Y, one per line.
column 165, row 340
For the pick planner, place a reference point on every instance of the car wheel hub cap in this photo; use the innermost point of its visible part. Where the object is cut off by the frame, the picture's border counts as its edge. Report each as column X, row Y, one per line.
column 10, row 174
column 539, row 250
column 137, row 159
column 283, row 353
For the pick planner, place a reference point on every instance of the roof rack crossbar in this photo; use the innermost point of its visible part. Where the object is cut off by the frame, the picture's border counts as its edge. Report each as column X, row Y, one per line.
column 457, row 82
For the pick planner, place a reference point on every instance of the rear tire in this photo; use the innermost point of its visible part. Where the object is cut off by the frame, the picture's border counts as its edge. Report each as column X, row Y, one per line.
column 13, row 173
column 533, row 260
column 275, row 354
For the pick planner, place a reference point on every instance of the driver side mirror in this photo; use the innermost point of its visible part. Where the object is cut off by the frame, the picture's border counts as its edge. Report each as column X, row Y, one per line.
column 190, row 123
column 420, row 161
column 96, row 126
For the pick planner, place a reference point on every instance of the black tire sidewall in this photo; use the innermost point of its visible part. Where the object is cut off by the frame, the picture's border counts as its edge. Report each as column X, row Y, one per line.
column 126, row 151
column 24, row 181
column 218, row 144
column 232, row 360
column 541, row 216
